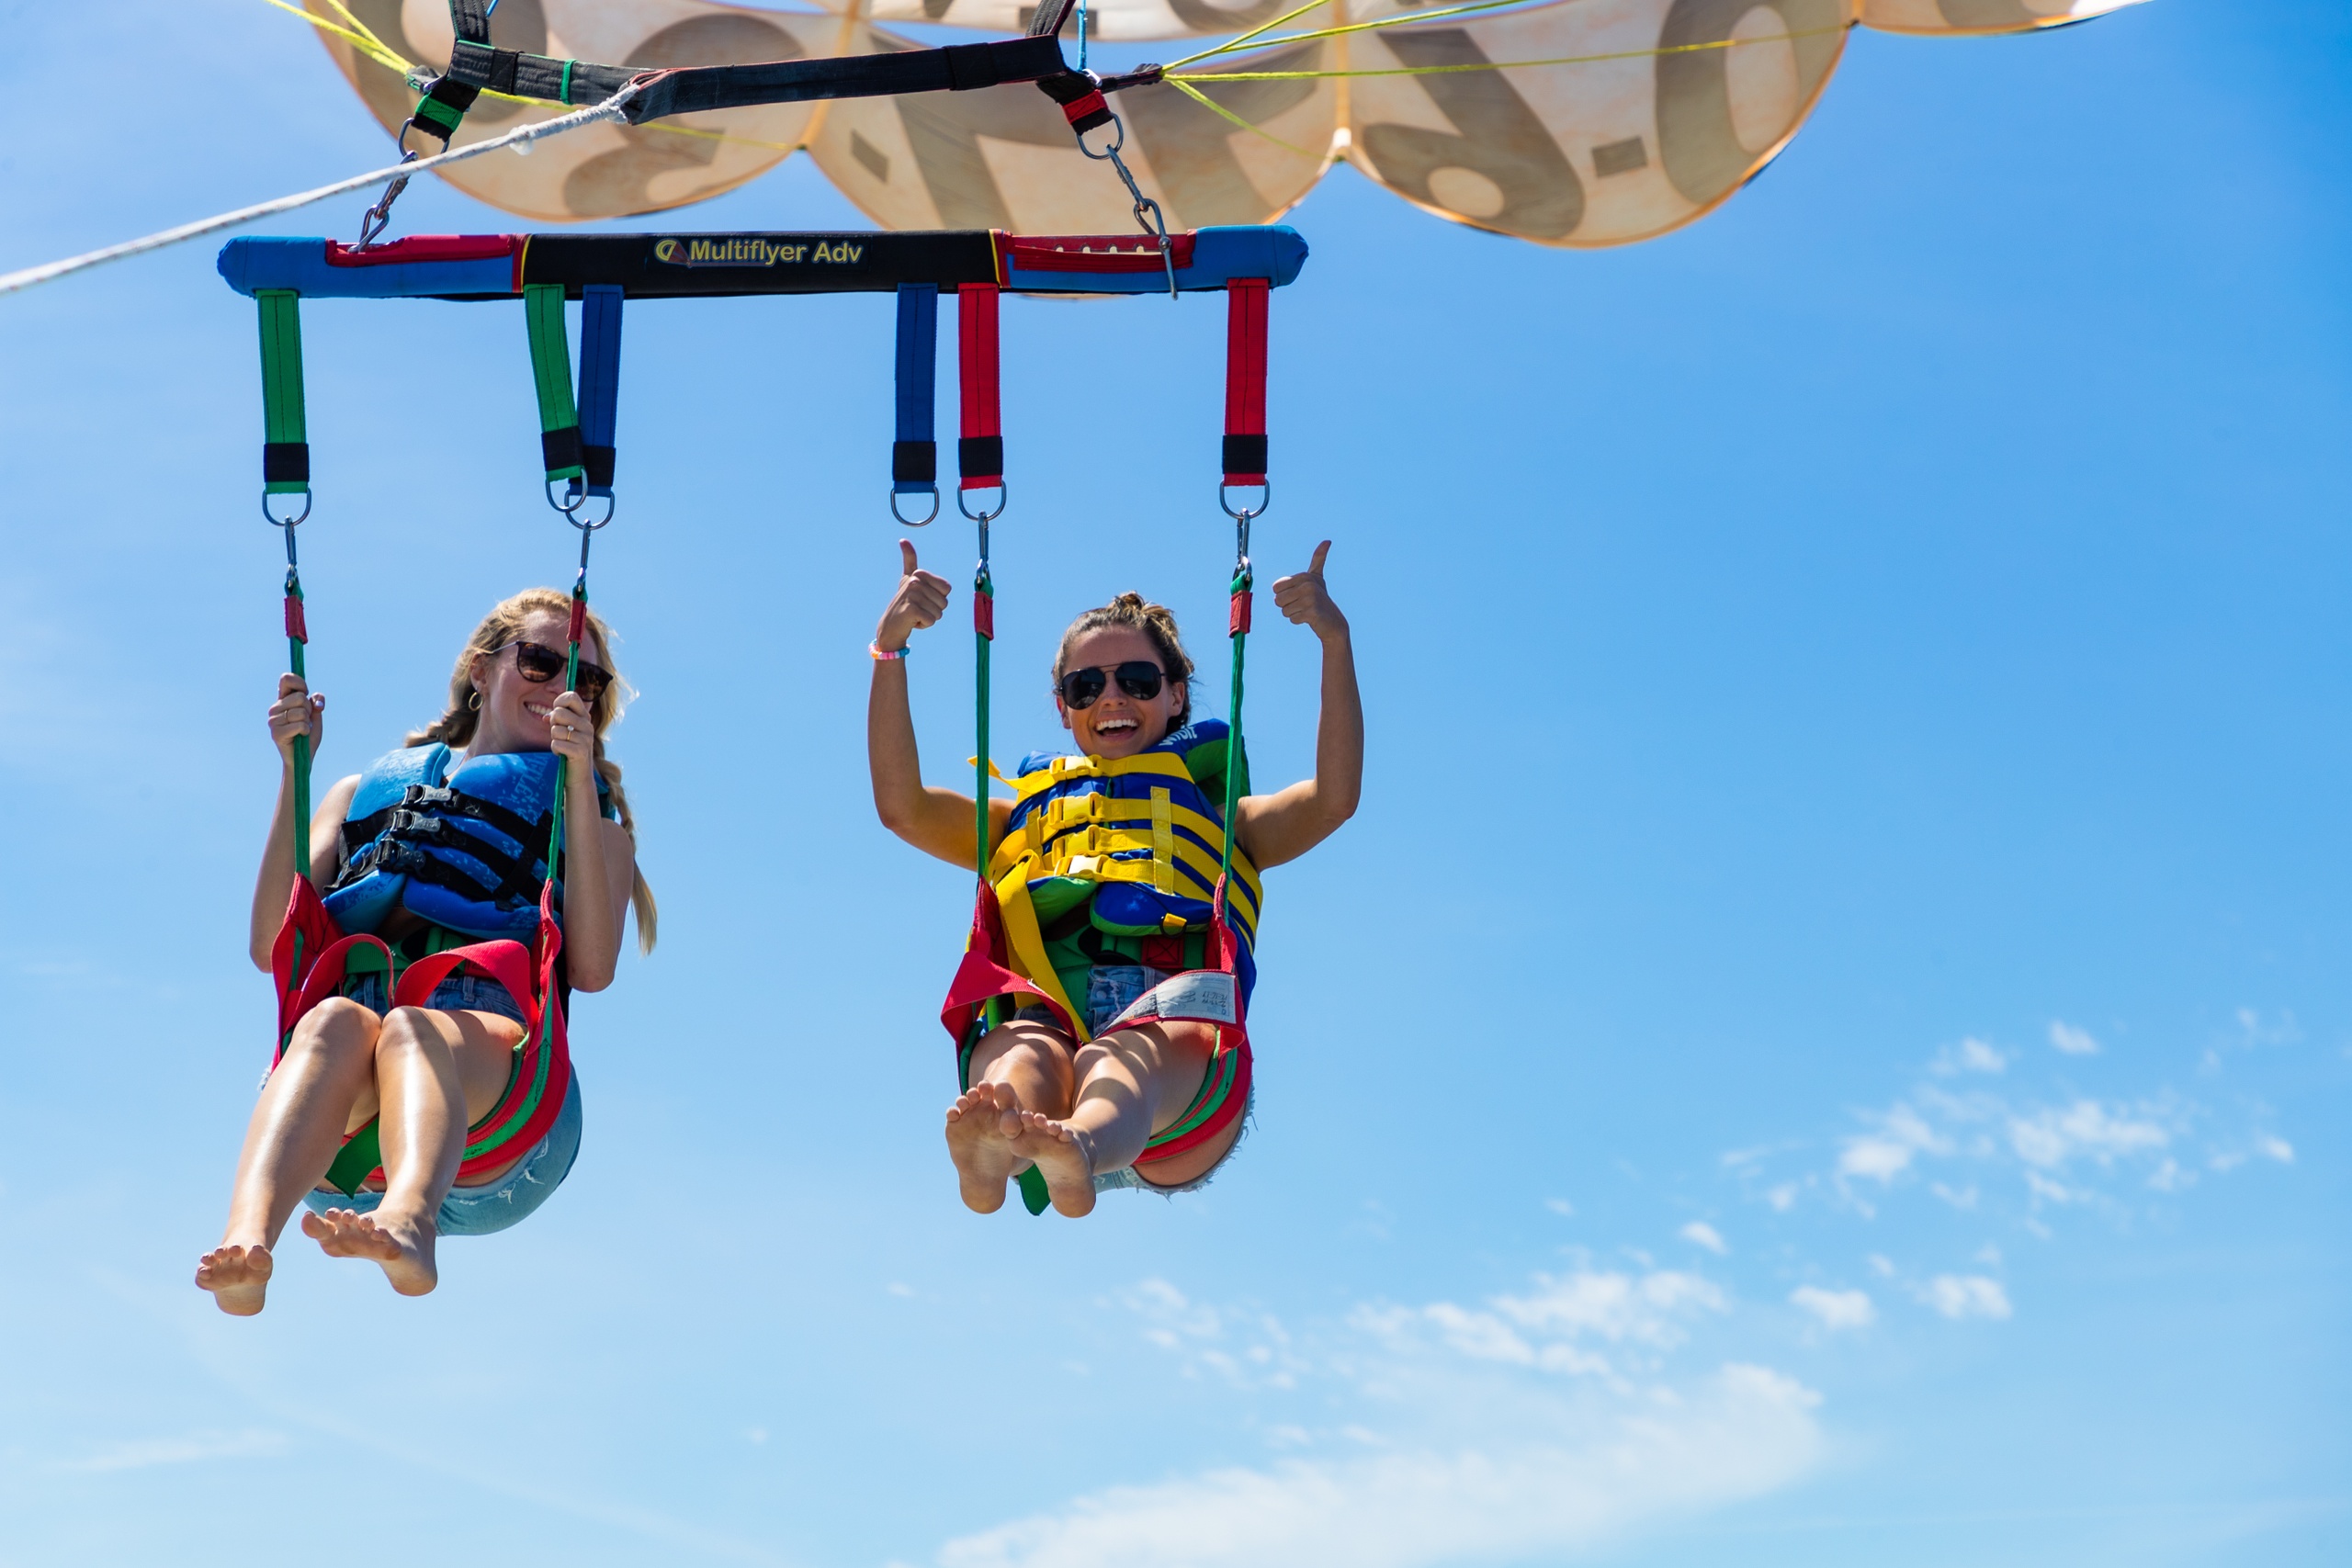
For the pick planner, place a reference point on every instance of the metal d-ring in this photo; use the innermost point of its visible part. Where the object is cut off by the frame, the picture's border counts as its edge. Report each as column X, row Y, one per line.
column 572, row 513
column 1243, row 516
column 984, row 518
column 922, row 522
column 575, row 495
column 286, row 523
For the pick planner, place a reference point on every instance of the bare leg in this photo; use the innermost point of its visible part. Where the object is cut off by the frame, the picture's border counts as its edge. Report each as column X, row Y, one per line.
column 434, row 1072
column 1131, row 1083
column 1021, row 1066
column 297, row 1126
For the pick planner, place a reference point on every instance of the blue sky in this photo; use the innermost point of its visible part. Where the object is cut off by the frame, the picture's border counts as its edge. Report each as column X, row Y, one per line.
column 1820, row 1047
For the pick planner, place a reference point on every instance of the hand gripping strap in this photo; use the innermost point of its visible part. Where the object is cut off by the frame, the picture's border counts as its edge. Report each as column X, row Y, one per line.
column 980, row 453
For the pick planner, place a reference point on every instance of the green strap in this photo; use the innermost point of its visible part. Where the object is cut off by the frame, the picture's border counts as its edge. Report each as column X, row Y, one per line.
column 551, row 377
column 283, row 424
column 1233, row 766
column 363, row 1152
column 294, row 646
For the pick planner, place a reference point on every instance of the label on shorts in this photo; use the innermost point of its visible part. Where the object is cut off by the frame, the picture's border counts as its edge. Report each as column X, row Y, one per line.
column 1205, row 994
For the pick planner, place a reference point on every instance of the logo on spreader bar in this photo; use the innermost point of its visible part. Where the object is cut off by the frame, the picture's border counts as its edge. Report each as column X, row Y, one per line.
column 745, row 250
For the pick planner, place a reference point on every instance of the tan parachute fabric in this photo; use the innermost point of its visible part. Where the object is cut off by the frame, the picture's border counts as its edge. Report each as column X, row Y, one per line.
column 1579, row 122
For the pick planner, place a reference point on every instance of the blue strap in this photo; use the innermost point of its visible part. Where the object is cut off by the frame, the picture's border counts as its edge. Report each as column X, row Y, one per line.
column 600, row 382
column 914, row 456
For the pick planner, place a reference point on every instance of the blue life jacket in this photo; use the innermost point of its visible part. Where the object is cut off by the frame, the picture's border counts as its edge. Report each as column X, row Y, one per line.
column 464, row 848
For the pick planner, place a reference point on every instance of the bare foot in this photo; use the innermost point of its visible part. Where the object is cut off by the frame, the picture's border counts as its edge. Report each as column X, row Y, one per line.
column 1062, row 1158
column 237, row 1276
column 981, row 1126
column 403, row 1246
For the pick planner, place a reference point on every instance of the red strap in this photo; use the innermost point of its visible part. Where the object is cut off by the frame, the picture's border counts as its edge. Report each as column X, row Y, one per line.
column 984, row 615
column 423, row 248
column 976, row 356
column 1079, row 109
column 1245, row 372
column 1237, row 618
column 579, row 617
column 296, row 627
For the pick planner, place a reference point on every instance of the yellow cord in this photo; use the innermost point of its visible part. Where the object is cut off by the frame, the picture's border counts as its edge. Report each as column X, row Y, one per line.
column 1498, row 64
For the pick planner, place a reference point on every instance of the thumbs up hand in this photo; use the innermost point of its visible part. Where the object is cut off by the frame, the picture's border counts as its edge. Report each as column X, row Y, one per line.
column 1303, row 597
column 921, row 600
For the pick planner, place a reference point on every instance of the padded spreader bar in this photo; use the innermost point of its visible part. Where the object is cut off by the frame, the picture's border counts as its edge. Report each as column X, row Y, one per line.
column 659, row 266
column 959, row 68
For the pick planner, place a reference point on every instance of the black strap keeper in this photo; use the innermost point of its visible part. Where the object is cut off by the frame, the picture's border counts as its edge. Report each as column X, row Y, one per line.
column 980, row 457
column 1245, row 454
column 1068, row 87
column 560, row 448
column 503, row 63
column 915, row 461
column 598, row 461
column 285, row 462
column 970, row 66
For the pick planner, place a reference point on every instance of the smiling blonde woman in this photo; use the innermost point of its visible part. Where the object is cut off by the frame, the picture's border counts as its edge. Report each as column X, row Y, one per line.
column 437, row 845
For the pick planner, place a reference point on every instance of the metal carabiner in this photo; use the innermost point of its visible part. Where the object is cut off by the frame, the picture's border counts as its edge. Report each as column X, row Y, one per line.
column 575, row 494
column 1148, row 215
column 922, row 522
column 984, row 518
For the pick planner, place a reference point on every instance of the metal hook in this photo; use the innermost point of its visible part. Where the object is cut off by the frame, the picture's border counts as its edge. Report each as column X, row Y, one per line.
column 922, row 522
column 1148, row 215
column 288, row 523
column 575, row 494
column 984, row 518
column 573, row 514
column 376, row 218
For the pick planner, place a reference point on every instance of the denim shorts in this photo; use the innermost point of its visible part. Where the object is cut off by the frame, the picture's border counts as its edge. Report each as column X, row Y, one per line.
column 478, row 993
column 1111, row 989
column 479, row 1210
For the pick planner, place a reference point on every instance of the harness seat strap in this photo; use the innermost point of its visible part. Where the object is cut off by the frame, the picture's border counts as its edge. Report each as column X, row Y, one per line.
column 980, row 453
column 914, row 455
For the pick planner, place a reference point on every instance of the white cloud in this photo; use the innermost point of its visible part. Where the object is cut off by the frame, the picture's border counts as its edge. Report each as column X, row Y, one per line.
column 1958, row 1197
column 142, row 1453
column 1884, row 1154
column 1557, row 1205
column 1971, row 1056
column 2072, row 1040
column 2170, row 1177
column 2279, row 1149
column 1836, row 1308
column 1747, row 1431
column 1966, row 1295
column 1702, row 1234
column 1617, row 1307
column 1783, row 1198
column 2049, row 1138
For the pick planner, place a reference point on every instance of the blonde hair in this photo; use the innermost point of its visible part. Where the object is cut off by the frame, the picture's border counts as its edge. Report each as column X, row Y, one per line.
column 1157, row 622
column 503, row 626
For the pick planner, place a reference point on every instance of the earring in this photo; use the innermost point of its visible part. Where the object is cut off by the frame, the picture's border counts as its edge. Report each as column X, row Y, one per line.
column 473, row 700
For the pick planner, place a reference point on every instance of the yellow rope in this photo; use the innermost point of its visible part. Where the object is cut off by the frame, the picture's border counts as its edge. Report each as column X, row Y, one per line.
column 1211, row 104
column 374, row 50
column 1253, row 32
column 1397, row 21
column 1499, row 64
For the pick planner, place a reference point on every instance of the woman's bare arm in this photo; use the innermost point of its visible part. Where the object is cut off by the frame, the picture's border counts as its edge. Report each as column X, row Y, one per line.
column 1285, row 825
column 599, row 857
column 937, row 822
column 295, row 712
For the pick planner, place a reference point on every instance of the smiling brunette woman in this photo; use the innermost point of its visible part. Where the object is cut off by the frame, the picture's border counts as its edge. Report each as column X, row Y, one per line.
column 437, row 844
column 1086, row 1078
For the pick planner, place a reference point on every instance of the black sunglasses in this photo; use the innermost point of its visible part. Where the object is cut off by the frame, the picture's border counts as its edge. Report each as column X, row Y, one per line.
column 539, row 663
column 1138, row 678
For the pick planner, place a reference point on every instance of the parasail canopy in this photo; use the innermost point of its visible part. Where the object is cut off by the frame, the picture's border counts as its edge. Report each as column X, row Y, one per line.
column 1573, row 122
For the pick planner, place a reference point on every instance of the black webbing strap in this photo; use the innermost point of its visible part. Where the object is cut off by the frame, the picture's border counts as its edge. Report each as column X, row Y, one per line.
column 446, row 802
column 959, row 68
